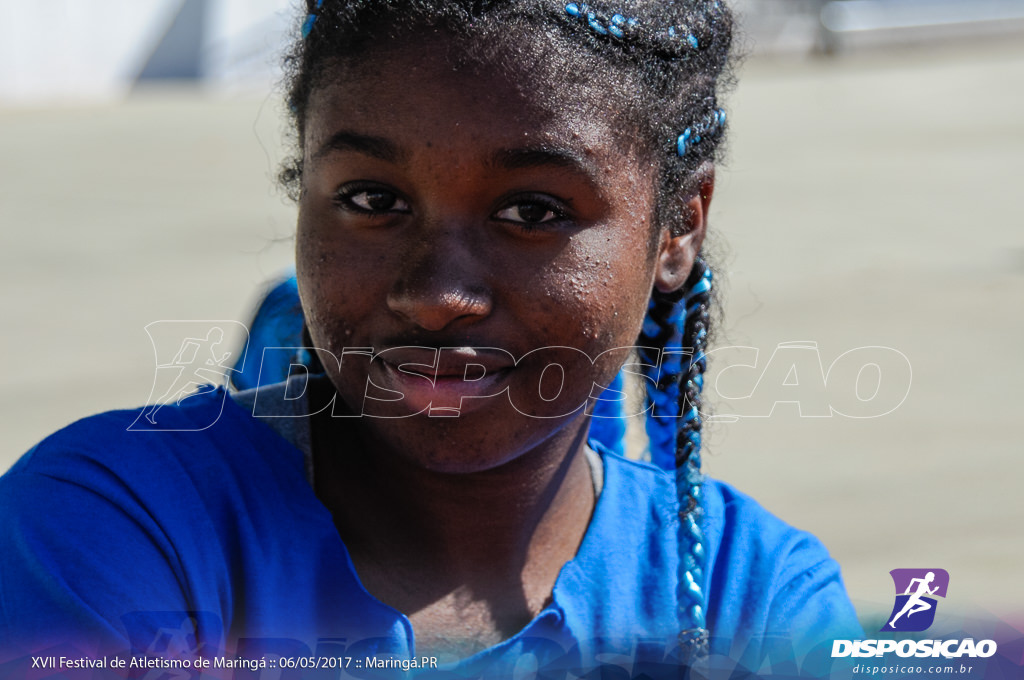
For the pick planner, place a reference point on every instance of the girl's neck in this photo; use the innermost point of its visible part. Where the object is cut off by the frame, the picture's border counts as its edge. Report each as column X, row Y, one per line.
column 474, row 556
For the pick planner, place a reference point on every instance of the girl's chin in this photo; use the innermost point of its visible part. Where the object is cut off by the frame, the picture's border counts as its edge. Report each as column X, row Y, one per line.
column 471, row 443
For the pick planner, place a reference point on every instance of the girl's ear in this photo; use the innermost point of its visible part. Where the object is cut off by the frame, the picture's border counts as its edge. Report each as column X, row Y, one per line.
column 679, row 247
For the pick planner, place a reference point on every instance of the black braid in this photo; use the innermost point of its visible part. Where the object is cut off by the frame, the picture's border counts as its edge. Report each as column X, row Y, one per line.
column 675, row 429
column 695, row 336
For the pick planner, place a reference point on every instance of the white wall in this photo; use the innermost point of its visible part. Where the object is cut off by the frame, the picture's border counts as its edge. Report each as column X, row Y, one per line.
column 75, row 50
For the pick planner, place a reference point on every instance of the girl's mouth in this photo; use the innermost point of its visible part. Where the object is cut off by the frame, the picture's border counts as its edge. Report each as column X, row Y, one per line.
column 442, row 382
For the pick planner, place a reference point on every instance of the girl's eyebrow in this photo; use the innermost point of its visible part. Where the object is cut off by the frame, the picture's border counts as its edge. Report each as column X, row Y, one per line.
column 506, row 159
column 347, row 140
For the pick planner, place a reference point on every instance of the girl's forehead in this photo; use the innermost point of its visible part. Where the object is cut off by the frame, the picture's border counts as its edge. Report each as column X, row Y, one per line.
column 419, row 90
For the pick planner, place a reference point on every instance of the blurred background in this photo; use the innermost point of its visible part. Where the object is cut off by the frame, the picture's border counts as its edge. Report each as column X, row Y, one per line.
column 871, row 200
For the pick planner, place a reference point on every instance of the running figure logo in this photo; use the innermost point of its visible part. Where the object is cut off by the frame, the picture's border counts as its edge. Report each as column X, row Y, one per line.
column 914, row 610
column 192, row 358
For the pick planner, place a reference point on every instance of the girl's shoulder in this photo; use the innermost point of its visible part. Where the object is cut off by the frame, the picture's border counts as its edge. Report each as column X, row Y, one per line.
column 735, row 524
column 115, row 523
column 773, row 589
column 205, row 454
column 765, row 579
column 203, row 429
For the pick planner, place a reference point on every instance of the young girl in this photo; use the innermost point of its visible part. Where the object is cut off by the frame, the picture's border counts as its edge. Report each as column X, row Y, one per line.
column 497, row 200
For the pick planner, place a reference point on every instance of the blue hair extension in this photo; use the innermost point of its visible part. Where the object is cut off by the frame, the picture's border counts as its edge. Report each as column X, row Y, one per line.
column 675, row 332
column 711, row 125
column 675, row 41
column 663, row 327
column 307, row 25
column 689, row 480
column 608, row 420
column 616, row 26
column 277, row 322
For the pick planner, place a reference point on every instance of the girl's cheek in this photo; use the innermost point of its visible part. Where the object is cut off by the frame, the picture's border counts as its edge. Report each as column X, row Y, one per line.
column 606, row 278
column 584, row 309
column 324, row 255
column 326, row 270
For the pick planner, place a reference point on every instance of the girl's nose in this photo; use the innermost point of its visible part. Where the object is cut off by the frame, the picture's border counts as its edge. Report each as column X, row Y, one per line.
column 440, row 286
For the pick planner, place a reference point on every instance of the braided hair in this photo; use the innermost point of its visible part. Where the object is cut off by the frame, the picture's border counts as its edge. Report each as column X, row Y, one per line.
column 659, row 67
column 673, row 340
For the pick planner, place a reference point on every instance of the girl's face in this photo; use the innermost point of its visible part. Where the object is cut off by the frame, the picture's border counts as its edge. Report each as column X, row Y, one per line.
column 446, row 208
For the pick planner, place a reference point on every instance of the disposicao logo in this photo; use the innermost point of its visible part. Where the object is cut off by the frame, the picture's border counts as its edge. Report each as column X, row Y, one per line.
column 913, row 612
column 916, row 589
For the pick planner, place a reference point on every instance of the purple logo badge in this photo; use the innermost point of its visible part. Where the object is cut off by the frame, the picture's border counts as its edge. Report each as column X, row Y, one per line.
column 916, row 589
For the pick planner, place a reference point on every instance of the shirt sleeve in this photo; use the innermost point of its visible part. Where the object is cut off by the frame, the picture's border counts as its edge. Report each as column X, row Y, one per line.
column 83, row 563
column 776, row 597
column 812, row 610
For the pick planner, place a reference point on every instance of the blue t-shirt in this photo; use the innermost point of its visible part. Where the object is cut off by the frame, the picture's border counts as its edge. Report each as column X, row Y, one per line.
column 208, row 538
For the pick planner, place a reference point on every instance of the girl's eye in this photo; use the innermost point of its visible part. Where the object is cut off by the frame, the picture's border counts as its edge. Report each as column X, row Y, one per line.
column 375, row 200
column 529, row 213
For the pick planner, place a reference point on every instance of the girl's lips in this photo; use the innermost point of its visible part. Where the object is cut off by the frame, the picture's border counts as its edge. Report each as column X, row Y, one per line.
column 445, row 382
